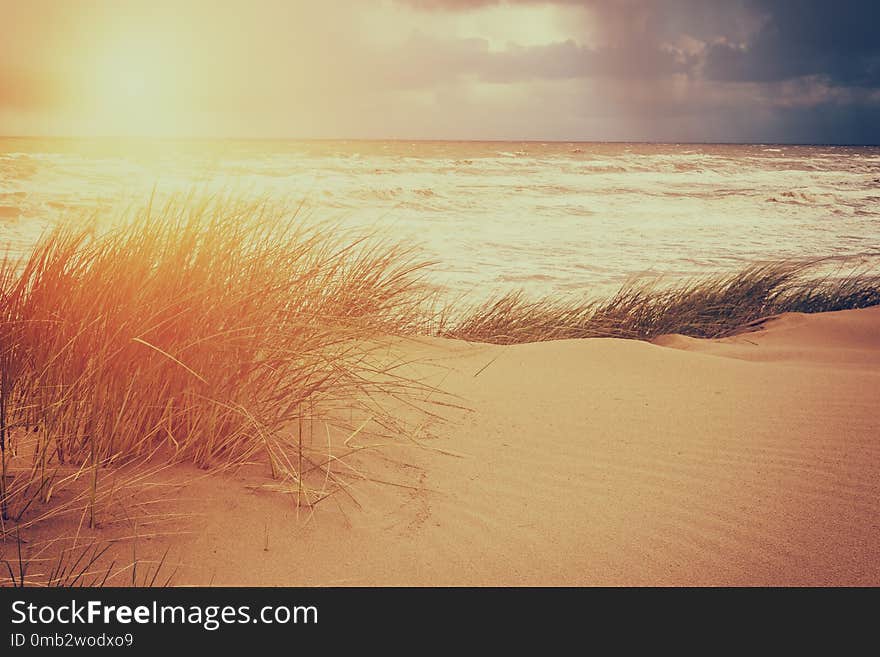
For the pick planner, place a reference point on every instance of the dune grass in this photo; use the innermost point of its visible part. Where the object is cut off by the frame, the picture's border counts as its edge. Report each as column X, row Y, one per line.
column 218, row 333
column 708, row 307
column 204, row 331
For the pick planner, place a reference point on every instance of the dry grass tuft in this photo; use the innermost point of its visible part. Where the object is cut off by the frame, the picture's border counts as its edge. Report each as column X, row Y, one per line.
column 709, row 307
column 207, row 331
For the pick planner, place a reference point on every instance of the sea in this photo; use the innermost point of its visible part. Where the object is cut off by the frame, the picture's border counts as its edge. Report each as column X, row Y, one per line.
column 552, row 218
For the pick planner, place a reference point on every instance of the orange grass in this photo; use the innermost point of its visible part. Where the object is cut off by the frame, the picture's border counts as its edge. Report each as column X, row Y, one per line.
column 204, row 331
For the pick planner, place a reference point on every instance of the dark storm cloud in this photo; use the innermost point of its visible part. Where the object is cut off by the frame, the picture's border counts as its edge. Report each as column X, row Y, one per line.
column 784, row 70
column 836, row 40
column 829, row 123
column 744, row 40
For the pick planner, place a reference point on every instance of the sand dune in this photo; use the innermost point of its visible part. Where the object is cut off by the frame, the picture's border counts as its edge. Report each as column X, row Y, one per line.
column 753, row 460
column 835, row 339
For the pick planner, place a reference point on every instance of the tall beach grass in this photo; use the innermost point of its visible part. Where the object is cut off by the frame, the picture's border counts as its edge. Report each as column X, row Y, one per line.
column 203, row 331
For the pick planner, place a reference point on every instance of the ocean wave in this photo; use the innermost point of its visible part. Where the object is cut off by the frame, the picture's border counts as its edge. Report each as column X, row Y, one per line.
column 801, row 197
column 506, row 207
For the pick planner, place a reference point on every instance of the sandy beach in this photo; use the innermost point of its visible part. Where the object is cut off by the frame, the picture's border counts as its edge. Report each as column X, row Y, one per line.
column 750, row 460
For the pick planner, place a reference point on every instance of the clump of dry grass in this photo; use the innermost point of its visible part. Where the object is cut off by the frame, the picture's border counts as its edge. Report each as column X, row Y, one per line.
column 709, row 307
column 204, row 331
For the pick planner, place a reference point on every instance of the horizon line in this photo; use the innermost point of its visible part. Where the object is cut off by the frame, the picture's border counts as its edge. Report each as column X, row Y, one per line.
column 530, row 140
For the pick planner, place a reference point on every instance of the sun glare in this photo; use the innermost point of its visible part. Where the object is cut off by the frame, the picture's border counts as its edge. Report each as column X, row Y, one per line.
column 133, row 87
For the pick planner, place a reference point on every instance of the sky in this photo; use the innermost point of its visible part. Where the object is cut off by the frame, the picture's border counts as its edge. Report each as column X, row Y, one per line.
column 805, row 71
